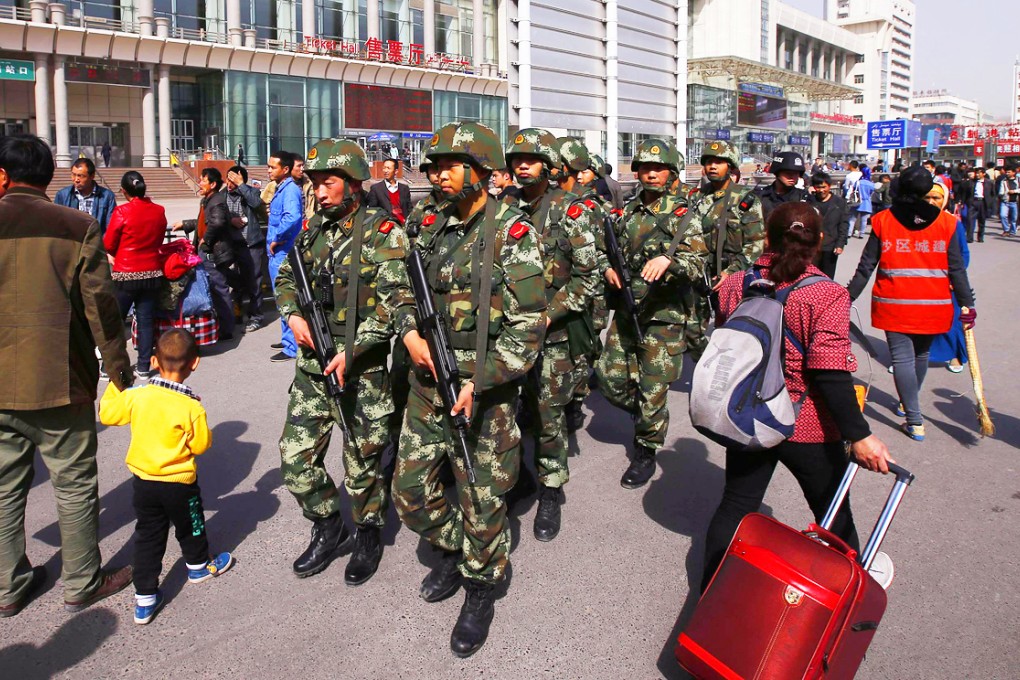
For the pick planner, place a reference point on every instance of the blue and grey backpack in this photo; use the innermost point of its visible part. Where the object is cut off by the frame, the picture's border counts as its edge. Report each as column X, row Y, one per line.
column 738, row 393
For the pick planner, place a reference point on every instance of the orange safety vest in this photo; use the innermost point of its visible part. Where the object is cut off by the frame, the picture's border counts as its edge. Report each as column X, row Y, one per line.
column 912, row 292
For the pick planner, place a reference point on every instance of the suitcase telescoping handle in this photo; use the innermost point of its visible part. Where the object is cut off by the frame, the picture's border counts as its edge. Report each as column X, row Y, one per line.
column 903, row 479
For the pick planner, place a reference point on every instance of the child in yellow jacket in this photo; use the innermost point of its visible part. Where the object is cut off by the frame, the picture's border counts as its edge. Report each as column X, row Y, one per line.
column 168, row 429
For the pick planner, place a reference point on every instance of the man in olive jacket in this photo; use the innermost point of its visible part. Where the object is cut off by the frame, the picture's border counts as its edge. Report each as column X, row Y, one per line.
column 57, row 304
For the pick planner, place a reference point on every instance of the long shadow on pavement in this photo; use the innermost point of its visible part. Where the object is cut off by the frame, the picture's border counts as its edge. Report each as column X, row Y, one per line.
column 76, row 640
column 682, row 499
column 961, row 410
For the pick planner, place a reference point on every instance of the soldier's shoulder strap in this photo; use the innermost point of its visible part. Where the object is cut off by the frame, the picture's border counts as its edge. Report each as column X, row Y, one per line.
column 686, row 216
column 483, row 284
column 354, row 283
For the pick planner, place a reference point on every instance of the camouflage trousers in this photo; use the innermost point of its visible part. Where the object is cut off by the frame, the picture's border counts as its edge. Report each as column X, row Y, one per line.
column 560, row 375
column 400, row 378
column 637, row 377
column 600, row 319
column 696, row 332
column 306, row 436
column 476, row 525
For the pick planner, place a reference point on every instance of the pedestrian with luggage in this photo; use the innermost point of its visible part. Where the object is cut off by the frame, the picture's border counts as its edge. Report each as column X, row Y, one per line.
column 913, row 245
column 818, row 362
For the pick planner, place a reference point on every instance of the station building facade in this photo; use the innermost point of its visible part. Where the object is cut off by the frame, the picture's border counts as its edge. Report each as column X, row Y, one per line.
column 156, row 77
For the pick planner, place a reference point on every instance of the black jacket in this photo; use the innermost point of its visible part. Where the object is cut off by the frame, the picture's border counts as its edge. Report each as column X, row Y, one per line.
column 989, row 194
column 379, row 197
column 835, row 221
column 770, row 198
column 221, row 240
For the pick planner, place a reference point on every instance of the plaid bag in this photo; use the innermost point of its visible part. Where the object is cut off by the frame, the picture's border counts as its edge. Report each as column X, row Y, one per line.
column 204, row 327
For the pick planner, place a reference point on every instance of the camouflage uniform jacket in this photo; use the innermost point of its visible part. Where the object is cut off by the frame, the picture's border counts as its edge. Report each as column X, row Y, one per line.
column 325, row 248
column 567, row 238
column 600, row 209
column 423, row 211
column 517, row 304
column 644, row 233
column 745, row 228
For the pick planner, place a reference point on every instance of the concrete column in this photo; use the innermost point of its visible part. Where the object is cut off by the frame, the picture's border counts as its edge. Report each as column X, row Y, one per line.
column 429, row 26
column 150, row 154
column 524, row 62
column 38, row 8
column 307, row 16
column 165, row 116
column 162, row 27
column 145, row 12
column 42, row 97
column 810, row 56
column 63, row 129
column 58, row 13
column 502, row 44
column 781, row 55
column 478, row 34
column 796, row 54
column 373, row 19
column 681, row 81
column 249, row 37
column 235, row 34
column 612, row 84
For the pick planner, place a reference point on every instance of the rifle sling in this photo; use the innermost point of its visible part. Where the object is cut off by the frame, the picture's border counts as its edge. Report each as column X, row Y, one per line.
column 351, row 321
column 486, row 241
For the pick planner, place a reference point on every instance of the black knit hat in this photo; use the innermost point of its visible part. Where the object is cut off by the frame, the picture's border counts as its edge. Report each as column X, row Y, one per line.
column 909, row 207
column 915, row 182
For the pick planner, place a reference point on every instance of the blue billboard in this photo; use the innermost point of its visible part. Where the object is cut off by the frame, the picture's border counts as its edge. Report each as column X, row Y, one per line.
column 894, row 134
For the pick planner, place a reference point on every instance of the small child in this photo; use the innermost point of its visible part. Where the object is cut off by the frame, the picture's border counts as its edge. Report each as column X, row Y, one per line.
column 168, row 429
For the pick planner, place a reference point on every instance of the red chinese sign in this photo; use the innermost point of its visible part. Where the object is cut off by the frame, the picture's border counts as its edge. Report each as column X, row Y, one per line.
column 1006, row 147
column 389, row 51
column 837, row 118
column 979, row 148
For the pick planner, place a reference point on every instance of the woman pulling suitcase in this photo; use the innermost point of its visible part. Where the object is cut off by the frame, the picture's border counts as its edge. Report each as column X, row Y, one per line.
column 818, row 319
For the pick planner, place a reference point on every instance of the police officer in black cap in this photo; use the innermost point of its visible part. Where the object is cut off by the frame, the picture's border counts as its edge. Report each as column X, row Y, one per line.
column 788, row 167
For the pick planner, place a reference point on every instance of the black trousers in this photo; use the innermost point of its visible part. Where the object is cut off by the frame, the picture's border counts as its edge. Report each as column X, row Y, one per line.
column 818, row 469
column 976, row 215
column 827, row 263
column 157, row 504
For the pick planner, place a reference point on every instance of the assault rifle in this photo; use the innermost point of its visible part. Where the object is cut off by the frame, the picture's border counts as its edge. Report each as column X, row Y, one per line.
column 619, row 265
column 325, row 348
column 433, row 327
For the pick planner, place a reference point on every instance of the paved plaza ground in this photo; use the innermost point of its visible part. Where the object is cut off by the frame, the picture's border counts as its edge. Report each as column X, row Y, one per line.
column 606, row 599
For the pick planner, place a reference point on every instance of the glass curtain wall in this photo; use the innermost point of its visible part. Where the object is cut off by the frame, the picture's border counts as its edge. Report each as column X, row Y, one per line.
column 272, row 19
column 264, row 113
column 455, row 106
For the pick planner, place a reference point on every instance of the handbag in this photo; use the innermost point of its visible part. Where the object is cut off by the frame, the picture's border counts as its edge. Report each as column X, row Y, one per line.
column 178, row 258
column 197, row 298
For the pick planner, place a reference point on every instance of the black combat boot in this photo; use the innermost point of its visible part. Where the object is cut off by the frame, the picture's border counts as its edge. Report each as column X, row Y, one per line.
column 575, row 416
column 329, row 535
column 365, row 559
column 475, row 618
column 444, row 580
column 547, row 519
column 641, row 469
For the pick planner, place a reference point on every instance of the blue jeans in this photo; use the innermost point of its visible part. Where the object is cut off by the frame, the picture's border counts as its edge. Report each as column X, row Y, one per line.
column 910, row 363
column 1007, row 212
column 863, row 218
column 145, row 321
column 286, row 334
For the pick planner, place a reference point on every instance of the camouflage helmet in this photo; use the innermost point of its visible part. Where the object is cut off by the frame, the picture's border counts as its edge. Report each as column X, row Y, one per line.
column 574, row 153
column 344, row 155
column 474, row 142
column 597, row 165
column 723, row 150
column 657, row 150
column 536, row 142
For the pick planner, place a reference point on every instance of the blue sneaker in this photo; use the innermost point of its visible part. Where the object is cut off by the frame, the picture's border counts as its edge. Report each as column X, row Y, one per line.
column 915, row 432
column 144, row 614
column 214, row 567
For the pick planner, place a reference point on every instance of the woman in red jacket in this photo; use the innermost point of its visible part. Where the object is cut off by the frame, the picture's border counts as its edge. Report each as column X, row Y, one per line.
column 132, row 240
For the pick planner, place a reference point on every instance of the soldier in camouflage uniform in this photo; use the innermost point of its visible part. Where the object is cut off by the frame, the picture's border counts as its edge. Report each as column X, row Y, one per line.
column 477, row 233
column 578, row 177
column 354, row 259
column 566, row 227
column 721, row 206
column 422, row 217
column 635, row 376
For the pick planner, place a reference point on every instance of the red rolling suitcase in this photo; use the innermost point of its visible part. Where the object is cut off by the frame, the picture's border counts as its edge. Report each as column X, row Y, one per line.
column 786, row 604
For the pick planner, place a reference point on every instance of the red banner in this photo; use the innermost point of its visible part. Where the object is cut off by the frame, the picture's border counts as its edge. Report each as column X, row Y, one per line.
column 979, row 148
column 1007, row 147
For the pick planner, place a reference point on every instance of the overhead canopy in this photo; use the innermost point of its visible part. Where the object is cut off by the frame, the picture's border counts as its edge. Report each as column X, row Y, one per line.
column 815, row 89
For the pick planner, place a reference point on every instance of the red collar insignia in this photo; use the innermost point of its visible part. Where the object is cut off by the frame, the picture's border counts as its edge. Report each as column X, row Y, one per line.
column 575, row 211
column 386, row 226
column 429, row 220
column 519, row 230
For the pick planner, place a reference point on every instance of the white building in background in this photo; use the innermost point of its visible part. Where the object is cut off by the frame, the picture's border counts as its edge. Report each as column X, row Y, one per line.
column 608, row 72
column 886, row 67
column 1014, row 107
column 938, row 107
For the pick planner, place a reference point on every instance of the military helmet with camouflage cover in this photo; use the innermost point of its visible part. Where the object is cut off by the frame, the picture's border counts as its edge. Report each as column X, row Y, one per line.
column 473, row 142
column 573, row 153
column 344, row 155
column 597, row 165
column 535, row 142
column 657, row 150
column 723, row 150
